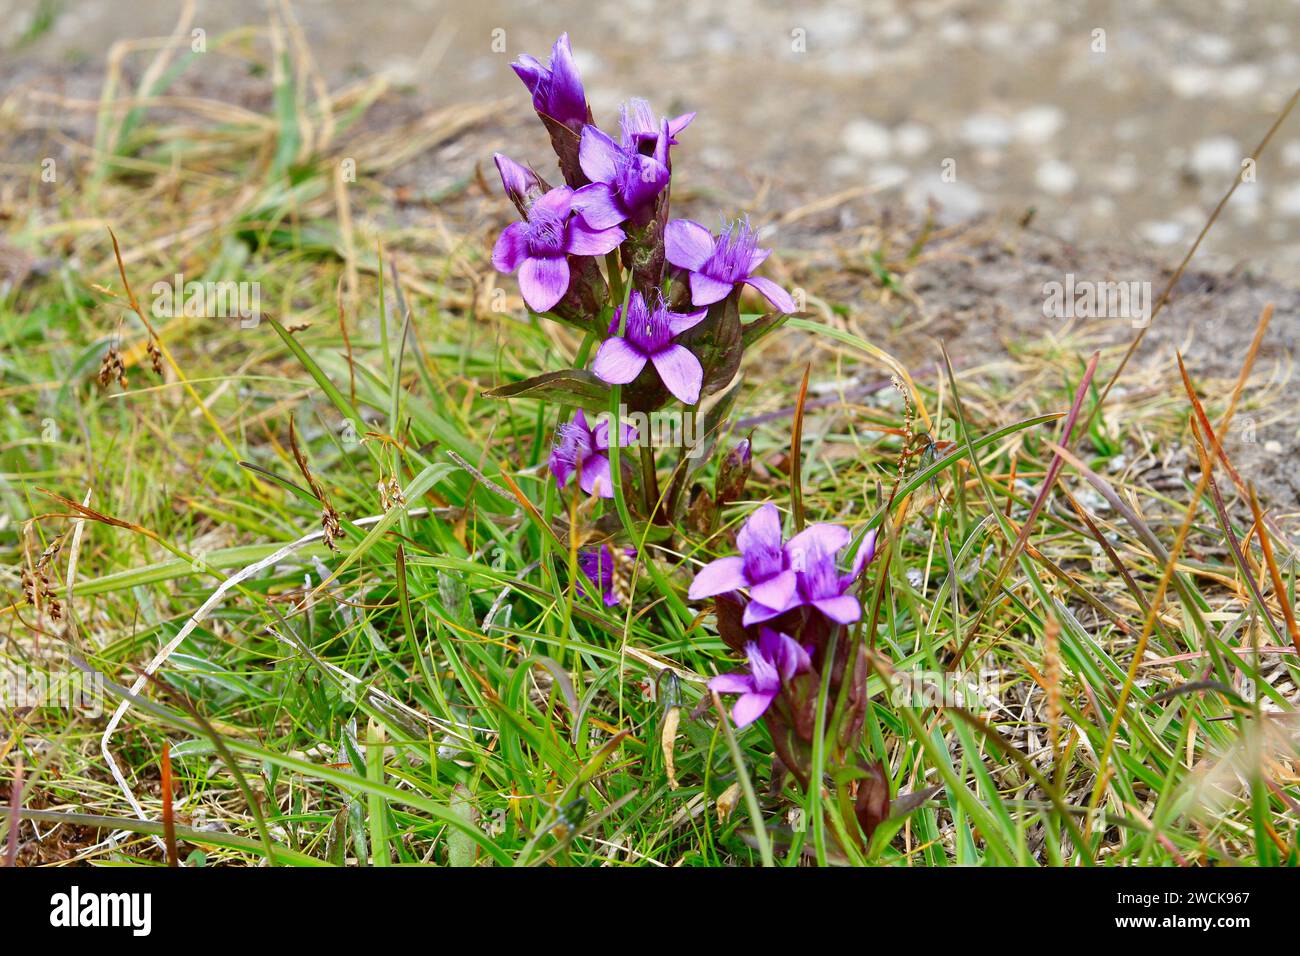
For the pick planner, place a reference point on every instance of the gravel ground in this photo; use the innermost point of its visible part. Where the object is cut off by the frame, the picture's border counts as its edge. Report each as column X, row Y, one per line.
column 1119, row 153
column 1115, row 122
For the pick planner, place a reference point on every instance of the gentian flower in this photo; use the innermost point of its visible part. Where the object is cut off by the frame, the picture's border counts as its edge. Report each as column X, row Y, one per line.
column 557, row 87
column 819, row 581
column 522, row 185
column 639, row 130
column 763, row 566
column 718, row 265
column 648, row 337
column 538, row 248
column 586, row 450
column 598, row 565
column 773, row 659
column 624, row 183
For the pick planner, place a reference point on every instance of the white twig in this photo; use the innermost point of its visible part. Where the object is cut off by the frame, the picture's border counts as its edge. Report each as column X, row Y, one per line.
column 195, row 619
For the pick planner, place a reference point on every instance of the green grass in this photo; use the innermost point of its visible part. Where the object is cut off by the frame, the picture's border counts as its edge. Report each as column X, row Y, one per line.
column 436, row 691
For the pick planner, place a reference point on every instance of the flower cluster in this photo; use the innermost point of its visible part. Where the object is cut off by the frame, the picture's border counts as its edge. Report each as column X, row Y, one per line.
column 778, row 601
column 658, row 298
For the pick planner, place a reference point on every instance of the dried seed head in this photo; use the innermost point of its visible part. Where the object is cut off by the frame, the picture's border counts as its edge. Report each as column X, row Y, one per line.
column 390, row 494
column 112, row 368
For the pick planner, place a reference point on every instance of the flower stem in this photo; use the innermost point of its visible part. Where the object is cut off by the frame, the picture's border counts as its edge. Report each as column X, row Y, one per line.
column 649, row 480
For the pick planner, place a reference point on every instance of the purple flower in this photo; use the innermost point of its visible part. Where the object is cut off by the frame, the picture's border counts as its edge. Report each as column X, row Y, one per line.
column 718, row 265
column 819, row 581
column 648, row 337
column 585, row 450
column 598, row 565
column 639, row 130
column 522, row 185
column 763, row 566
column 557, row 87
column 538, row 247
column 774, row 659
column 624, row 183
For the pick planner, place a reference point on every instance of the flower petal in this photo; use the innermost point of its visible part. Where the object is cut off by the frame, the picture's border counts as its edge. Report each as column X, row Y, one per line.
column 651, row 178
column 773, row 293
column 681, row 321
column 718, row 577
column 530, row 70
column 826, row 538
column 511, row 248
column 687, row 244
column 586, row 241
column 566, row 95
column 557, row 202
column 756, row 613
column 750, row 707
column 844, row 609
column 761, row 530
column 732, row 684
column 543, row 282
column 866, row 551
column 518, row 181
column 598, row 205
column 598, row 155
column 594, row 477
column 777, row 591
column 706, row 290
column 600, row 434
column 617, row 362
column 675, row 126
column 681, row 372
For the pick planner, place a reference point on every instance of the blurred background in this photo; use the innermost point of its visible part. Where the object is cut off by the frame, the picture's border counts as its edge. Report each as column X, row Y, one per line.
column 1120, row 123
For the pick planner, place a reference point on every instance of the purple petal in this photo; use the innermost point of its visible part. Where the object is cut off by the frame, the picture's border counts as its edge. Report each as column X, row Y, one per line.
column 773, row 293
column 598, row 155
column 586, row 241
column 761, row 531
column 651, row 178
column 824, row 538
column 732, row 684
column 543, row 282
column 718, row 577
column 511, row 248
column 790, row 656
column 681, row 321
column 617, row 362
column 843, row 609
column 681, row 372
column 757, row 258
column 687, row 244
column 557, row 202
column 517, row 180
column 594, row 478
column 756, row 613
column 561, row 467
column 597, row 204
column 600, row 434
column 777, row 591
column 706, row 290
column 750, row 707
column 567, row 97
column 866, row 551
column 675, row 126
column 530, row 70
